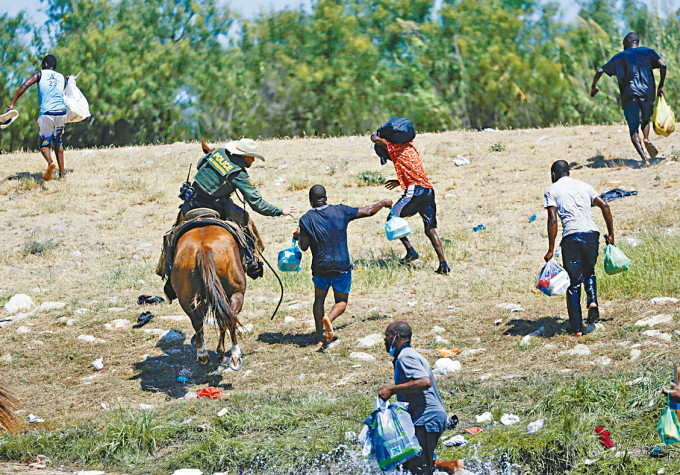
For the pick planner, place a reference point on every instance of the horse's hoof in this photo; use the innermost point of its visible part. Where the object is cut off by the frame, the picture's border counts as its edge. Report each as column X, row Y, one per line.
column 202, row 357
column 235, row 363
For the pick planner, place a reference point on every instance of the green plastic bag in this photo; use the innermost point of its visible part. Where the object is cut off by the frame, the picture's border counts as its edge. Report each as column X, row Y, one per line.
column 615, row 260
column 662, row 118
column 669, row 427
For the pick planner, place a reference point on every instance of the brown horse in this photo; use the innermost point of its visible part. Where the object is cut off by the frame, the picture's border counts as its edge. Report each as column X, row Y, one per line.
column 208, row 277
column 7, row 420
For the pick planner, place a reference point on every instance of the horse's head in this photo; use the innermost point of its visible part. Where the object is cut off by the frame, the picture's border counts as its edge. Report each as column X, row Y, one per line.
column 206, row 148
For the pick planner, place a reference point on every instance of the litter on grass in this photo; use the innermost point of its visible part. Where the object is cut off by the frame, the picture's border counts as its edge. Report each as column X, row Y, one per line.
column 509, row 419
column 455, row 441
column 210, row 392
column 33, row 419
column 446, row 353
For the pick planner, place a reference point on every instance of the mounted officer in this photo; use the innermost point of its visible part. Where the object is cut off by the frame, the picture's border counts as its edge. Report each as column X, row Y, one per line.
column 220, row 173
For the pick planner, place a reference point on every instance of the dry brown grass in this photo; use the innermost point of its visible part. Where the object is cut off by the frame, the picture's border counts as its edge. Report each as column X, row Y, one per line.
column 115, row 206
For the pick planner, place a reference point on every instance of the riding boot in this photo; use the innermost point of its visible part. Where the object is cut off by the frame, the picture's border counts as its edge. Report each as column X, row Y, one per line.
column 254, row 268
column 169, row 290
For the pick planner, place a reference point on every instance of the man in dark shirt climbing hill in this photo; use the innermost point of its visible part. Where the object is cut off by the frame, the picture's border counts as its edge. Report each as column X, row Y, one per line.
column 324, row 230
column 633, row 69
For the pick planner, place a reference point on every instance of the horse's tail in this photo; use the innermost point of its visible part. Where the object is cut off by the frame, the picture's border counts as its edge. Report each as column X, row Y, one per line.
column 7, row 420
column 215, row 295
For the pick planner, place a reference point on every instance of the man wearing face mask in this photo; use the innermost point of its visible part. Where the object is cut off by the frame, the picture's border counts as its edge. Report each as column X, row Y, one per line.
column 414, row 383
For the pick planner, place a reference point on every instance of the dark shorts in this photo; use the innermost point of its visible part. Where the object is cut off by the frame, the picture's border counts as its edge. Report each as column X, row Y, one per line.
column 638, row 113
column 419, row 200
column 341, row 283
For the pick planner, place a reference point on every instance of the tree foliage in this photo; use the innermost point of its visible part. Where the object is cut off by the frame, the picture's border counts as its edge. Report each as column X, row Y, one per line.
column 166, row 70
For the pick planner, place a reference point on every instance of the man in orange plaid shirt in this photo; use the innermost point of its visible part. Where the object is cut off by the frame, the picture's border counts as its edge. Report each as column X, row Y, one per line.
column 418, row 196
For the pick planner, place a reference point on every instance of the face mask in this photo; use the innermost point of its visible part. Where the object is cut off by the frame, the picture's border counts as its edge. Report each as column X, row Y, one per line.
column 393, row 349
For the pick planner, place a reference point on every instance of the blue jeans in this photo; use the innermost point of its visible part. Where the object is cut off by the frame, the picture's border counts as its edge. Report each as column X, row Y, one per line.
column 579, row 255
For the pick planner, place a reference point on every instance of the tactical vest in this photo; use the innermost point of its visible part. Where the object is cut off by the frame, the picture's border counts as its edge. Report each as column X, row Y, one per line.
column 213, row 170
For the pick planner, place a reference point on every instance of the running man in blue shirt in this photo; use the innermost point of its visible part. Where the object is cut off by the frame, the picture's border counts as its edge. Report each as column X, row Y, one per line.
column 633, row 69
column 52, row 117
column 323, row 229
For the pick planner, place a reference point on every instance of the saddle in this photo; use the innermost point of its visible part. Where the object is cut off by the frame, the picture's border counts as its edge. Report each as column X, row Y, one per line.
column 198, row 218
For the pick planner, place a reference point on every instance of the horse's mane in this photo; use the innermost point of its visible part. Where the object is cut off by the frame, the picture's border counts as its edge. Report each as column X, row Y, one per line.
column 7, row 419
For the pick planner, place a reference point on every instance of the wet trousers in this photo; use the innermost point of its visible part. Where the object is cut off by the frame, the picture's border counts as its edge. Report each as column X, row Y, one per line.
column 579, row 256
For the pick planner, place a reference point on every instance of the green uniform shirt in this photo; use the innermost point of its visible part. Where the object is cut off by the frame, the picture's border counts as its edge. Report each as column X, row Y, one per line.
column 233, row 175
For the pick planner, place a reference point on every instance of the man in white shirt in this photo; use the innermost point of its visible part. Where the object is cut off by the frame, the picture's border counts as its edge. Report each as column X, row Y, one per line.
column 572, row 200
column 52, row 117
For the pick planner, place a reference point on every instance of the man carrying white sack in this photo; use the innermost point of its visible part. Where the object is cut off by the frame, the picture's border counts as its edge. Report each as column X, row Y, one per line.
column 52, row 118
column 572, row 200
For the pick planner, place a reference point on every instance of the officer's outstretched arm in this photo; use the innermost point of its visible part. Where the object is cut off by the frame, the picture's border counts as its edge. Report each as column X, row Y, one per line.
column 253, row 197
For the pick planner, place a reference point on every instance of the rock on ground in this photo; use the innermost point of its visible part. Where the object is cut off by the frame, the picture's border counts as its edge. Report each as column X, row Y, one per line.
column 369, row 341
column 658, row 335
column 358, row 355
column 655, row 320
column 90, row 339
column 663, row 300
column 49, row 306
column 18, row 303
column 578, row 350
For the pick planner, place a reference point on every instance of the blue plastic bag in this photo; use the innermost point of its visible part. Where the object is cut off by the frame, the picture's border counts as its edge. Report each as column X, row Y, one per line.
column 389, row 434
column 397, row 228
column 290, row 259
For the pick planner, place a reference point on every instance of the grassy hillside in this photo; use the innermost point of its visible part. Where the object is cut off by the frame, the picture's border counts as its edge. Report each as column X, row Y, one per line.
column 91, row 241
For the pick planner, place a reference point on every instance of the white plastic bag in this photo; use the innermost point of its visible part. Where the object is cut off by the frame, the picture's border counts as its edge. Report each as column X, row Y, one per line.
column 553, row 279
column 77, row 108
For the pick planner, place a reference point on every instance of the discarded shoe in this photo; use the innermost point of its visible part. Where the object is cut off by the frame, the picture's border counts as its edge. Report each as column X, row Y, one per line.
column 143, row 319
column 411, row 255
column 149, row 300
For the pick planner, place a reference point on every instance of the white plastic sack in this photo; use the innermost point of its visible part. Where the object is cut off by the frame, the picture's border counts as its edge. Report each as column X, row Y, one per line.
column 445, row 366
column 553, row 279
column 77, row 108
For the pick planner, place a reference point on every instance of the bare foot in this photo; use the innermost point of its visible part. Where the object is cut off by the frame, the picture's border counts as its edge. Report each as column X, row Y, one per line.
column 646, row 163
column 48, row 174
column 330, row 334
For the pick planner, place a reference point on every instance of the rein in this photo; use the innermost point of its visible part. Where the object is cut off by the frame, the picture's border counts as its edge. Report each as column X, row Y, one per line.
column 245, row 220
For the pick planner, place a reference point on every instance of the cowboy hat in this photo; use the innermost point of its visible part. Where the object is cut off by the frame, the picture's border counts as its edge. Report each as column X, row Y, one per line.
column 246, row 147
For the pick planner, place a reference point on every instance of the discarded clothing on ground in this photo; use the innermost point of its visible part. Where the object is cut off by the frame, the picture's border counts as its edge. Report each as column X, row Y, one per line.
column 616, row 193
column 149, row 300
column 605, row 440
column 143, row 319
